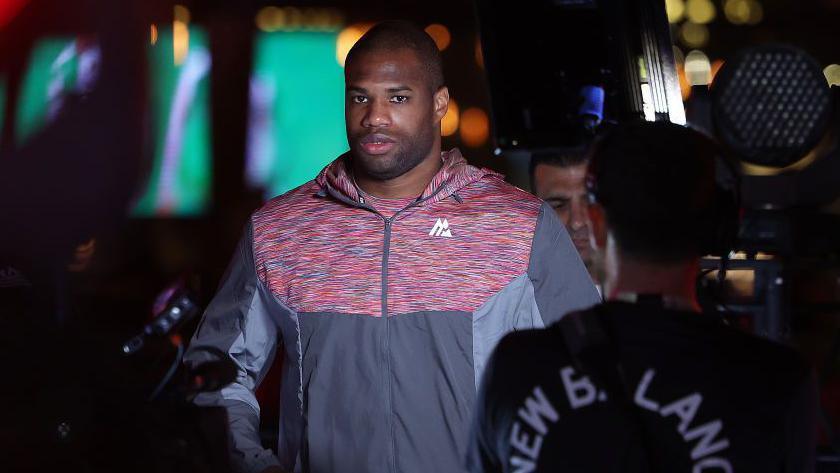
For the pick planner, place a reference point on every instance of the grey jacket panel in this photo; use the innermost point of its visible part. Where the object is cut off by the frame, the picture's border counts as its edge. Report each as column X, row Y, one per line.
column 432, row 392
column 344, row 395
column 240, row 321
column 561, row 282
column 372, row 409
column 512, row 308
column 556, row 283
column 290, row 435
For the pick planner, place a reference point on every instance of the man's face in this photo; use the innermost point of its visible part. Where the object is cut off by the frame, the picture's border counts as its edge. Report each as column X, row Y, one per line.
column 564, row 188
column 393, row 115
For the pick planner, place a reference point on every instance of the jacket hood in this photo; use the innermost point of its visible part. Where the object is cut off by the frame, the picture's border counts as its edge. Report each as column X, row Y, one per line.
column 337, row 180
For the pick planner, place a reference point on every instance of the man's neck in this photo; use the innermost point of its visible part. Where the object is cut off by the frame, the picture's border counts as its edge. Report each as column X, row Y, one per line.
column 674, row 280
column 411, row 184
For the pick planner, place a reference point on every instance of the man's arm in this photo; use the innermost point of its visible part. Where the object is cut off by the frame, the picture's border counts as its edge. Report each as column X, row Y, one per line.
column 556, row 283
column 240, row 321
column 560, row 279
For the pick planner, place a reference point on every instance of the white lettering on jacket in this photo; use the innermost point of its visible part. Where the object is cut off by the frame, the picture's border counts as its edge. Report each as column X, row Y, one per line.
column 537, row 413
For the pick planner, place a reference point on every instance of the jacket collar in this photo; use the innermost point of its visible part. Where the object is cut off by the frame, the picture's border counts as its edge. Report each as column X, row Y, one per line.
column 336, row 179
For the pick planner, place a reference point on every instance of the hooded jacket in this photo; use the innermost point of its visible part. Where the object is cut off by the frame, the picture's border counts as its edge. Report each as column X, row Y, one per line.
column 386, row 318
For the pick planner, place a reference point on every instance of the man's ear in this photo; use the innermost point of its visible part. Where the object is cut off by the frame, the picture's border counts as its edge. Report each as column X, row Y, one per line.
column 441, row 102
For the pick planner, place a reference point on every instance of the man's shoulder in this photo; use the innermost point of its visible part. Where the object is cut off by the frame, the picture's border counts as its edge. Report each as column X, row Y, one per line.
column 523, row 347
column 691, row 336
column 522, row 360
column 783, row 359
column 496, row 195
column 292, row 205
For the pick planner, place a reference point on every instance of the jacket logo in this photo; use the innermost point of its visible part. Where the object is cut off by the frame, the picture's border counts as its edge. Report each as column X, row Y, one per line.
column 441, row 229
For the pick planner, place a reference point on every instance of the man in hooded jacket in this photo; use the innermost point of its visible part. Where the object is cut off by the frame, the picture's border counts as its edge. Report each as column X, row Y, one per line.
column 386, row 282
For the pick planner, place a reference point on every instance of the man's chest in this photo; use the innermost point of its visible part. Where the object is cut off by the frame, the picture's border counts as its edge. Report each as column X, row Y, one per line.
column 362, row 263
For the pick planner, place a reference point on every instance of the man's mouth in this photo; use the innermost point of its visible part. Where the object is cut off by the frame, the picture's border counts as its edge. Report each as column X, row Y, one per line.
column 377, row 143
column 582, row 244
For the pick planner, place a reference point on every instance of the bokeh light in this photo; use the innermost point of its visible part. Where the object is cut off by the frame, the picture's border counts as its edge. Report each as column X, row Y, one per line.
column 181, row 13
column 440, row 34
column 479, row 53
column 272, row 18
column 347, row 38
column 475, row 127
column 180, row 34
column 743, row 12
column 698, row 68
column 694, row 35
column 675, row 10
column 700, row 11
column 449, row 124
column 715, row 68
column 832, row 74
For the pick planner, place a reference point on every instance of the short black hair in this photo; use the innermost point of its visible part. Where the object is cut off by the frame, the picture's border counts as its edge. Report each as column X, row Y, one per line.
column 394, row 35
column 558, row 157
column 656, row 182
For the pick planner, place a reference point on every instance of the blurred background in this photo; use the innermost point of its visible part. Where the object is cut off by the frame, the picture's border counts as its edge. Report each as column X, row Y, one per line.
column 137, row 137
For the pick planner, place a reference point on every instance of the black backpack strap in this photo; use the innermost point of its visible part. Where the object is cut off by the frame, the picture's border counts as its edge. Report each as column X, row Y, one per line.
column 589, row 340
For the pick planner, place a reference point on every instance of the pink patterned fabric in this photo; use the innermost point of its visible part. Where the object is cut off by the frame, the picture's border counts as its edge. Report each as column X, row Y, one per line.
column 319, row 254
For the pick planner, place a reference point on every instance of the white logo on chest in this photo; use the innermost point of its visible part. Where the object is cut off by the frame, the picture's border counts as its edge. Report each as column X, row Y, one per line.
column 441, row 229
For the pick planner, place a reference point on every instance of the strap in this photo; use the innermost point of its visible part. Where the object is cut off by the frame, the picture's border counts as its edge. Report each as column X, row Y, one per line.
column 589, row 341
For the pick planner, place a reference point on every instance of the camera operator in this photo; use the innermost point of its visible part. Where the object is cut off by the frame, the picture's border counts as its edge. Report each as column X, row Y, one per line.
column 645, row 381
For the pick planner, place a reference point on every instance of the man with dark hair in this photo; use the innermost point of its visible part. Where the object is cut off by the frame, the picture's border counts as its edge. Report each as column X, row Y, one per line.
column 558, row 177
column 398, row 35
column 386, row 281
column 645, row 382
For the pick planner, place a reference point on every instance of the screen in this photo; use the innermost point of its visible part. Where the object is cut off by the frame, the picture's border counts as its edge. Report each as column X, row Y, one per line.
column 296, row 115
column 179, row 183
column 57, row 67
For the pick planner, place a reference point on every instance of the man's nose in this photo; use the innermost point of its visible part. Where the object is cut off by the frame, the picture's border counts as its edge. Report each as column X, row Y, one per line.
column 377, row 115
column 579, row 217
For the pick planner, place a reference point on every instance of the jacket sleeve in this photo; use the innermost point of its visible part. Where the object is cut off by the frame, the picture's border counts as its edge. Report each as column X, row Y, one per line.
column 560, row 280
column 482, row 450
column 556, row 283
column 239, row 322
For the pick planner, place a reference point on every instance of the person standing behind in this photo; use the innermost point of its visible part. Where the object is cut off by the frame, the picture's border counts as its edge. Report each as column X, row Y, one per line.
column 386, row 281
column 559, row 178
column 645, row 382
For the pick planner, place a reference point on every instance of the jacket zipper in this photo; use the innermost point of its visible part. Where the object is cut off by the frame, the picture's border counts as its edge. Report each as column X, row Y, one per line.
column 386, row 250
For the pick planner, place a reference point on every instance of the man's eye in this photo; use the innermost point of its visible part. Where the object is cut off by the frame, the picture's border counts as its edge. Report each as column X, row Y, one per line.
column 399, row 99
column 559, row 205
column 359, row 99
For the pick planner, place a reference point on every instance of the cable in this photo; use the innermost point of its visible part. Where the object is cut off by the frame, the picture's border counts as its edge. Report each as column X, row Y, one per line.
column 179, row 355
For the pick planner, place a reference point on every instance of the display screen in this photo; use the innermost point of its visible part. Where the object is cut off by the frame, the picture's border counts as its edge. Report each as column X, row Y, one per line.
column 179, row 183
column 57, row 67
column 296, row 116
column 296, row 111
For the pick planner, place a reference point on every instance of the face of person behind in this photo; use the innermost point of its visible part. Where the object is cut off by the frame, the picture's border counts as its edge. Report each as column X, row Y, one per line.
column 564, row 188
